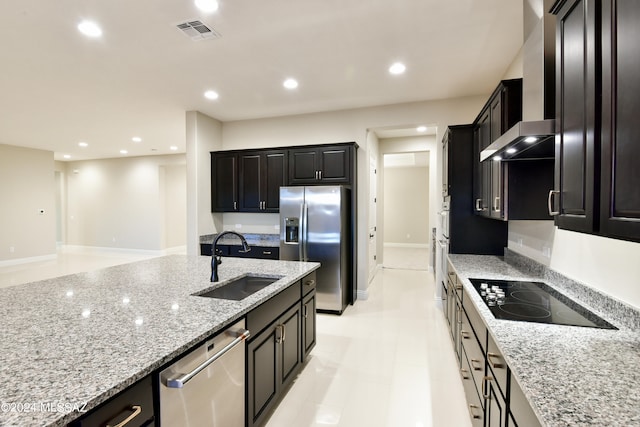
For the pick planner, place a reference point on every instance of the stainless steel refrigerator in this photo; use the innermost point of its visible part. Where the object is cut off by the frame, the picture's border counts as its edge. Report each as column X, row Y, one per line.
column 314, row 226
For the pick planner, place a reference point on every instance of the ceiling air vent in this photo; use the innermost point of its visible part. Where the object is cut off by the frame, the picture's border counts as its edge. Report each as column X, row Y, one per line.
column 197, row 30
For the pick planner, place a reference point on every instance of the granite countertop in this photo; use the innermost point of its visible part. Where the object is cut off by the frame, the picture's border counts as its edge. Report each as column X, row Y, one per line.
column 267, row 240
column 572, row 376
column 77, row 340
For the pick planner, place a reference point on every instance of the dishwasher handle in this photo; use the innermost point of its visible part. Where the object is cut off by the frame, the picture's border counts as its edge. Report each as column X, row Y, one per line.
column 180, row 381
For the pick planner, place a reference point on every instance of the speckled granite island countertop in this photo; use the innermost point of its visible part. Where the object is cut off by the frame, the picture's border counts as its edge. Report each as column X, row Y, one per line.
column 78, row 340
column 572, row 376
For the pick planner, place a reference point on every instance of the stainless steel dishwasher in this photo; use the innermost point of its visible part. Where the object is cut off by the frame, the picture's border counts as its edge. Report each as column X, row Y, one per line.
column 206, row 386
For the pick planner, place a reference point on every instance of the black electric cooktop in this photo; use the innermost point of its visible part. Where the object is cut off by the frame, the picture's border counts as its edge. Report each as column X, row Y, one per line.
column 534, row 302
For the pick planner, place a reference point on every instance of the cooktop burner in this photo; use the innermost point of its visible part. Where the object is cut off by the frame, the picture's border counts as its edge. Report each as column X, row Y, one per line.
column 534, row 302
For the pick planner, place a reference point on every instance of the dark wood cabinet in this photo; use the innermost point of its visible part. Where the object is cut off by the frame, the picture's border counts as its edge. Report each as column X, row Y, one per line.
column 135, row 404
column 321, row 165
column 224, row 182
column 597, row 153
column 468, row 233
column 284, row 331
column 576, row 115
column 502, row 111
column 620, row 146
column 261, row 174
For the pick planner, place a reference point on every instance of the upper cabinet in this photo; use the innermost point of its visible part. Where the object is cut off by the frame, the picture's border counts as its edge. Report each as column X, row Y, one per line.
column 503, row 110
column 320, row 165
column 224, row 180
column 261, row 174
column 250, row 180
column 597, row 152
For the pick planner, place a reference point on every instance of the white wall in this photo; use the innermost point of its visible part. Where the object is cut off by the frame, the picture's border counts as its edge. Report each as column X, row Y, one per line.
column 353, row 125
column 173, row 192
column 609, row 265
column 406, row 206
column 203, row 135
column 120, row 203
column 27, row 185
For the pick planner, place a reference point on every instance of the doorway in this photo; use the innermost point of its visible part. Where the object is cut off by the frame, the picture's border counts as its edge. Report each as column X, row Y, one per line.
column 406, row 237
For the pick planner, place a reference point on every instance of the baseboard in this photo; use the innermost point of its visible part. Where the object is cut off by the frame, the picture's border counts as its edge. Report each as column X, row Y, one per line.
column 19, row 261
column 101, row 249
column 407, row 245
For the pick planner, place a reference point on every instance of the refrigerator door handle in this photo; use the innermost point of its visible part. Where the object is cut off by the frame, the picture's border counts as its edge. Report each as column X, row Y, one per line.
column 301, row 237
column 305, row 228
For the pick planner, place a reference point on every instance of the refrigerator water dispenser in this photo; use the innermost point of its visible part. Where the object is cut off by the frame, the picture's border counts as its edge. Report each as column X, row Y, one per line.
column 291, row 227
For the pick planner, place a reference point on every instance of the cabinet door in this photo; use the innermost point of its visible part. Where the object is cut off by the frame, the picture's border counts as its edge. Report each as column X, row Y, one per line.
column 224, row 182
column 334, row 165
column 496, row 129
column 291, row 346
column 262, row 374
column 485, row 168
column 249, row 181
column 620, row 147
column 575, row 115
column 308, row 324
column 495, row 406
column 303, row 166
column 274, row 176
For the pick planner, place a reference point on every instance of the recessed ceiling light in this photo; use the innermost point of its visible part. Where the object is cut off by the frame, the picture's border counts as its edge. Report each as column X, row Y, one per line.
column 290, row 83
column 511, row 150
column 211, row 94
column 90, row 29
column 124, row 152
column 173, row 148
column 136, row 139
column 397, row 68
column 421, row 128
column 67, row 156
column 530, row 139
column 497, row 158
column 207, row 6
column 82, row 144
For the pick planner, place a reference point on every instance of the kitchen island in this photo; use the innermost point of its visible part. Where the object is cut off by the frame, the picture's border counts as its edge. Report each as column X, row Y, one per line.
column 571, row 376
column 71, row 343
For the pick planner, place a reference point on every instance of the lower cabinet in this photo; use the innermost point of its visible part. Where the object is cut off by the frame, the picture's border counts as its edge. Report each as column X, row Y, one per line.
column 260, row 252
column 284, row 332
column 494, row 397
column 133, row 407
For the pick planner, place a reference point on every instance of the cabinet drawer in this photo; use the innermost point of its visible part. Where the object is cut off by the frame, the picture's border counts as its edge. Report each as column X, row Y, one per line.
column 476, row 322
column 497, row 364
column 260, row 252
column 261, row 316
column 137, row 399
column 309, row 283
column 473, row 351
column 474, row 403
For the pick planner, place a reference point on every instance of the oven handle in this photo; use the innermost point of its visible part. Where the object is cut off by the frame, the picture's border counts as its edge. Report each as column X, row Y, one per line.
column 179, row 382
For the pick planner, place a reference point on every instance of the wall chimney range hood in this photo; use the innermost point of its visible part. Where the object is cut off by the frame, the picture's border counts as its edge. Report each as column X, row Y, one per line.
column 534, row 136
column 525, row 140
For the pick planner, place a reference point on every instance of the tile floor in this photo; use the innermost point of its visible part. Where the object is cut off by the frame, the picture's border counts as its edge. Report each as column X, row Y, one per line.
column 406, row 258
column 387, row 361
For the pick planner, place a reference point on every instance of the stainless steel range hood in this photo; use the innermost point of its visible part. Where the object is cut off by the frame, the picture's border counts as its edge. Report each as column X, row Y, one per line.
column 533, row 137
column 525, row 140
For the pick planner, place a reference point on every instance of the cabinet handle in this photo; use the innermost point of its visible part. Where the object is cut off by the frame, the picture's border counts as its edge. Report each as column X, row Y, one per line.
column 464, row 373
column 136, row 411
column 465, row 335
column 495, row 365
column 316, row 174
column 235, row 205
column 266, row 252
column 306, row 311
column 475, row 367
column 310, row 282
column 473, row 407
column 278, row 332
column 320, row 173
column 458, row 287
column 485, row 389
column 496, row 204
column 550, row 203
column 478, row 205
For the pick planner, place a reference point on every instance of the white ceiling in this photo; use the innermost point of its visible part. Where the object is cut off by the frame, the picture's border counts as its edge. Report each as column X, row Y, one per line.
column 58, row 87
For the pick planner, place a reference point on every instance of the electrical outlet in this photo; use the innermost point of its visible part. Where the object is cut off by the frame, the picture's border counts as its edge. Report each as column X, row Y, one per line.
column 546, row 251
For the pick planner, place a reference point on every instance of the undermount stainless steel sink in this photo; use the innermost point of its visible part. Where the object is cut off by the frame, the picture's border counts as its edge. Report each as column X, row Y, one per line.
column 239, row 288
